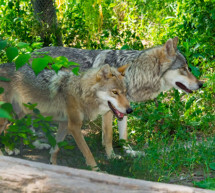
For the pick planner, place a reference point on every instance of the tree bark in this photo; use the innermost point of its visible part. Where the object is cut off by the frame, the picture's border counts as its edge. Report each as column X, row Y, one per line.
column 45, row 13
column 17, row 175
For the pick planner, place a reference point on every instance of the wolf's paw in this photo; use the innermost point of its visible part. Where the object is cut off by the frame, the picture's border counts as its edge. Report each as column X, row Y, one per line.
column 102, row 171
column 96, row 169
column 40, row 145
column 12, row 152
column 133, row 153
column 112, row 155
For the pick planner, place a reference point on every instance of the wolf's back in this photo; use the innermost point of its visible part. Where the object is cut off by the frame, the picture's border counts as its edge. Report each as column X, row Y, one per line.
column 7, row 70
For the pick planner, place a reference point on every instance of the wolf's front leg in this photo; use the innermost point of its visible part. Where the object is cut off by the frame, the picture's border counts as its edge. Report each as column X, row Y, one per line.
column 122, row 127
column 74, row 127
column 123, row 134
column 107, row 133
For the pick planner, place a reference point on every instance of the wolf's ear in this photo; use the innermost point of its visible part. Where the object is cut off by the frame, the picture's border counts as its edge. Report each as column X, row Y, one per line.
column 122, row 69
column 175, row 42
column 104, row 72
column 170, row 45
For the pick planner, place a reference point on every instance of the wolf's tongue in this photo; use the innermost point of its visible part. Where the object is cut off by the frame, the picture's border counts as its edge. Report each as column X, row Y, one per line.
column 119, row 114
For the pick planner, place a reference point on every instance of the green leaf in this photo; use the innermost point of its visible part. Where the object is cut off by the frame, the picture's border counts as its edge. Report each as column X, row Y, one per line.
column 4, row 79
column 37, row 45
column 51, row 140
column 49, row 58
column 207, row 184
column 49, row 118
column 2, row 102
column 65, row 145
column 36, row 111
column 75, row 71
column 196, row 72
column 61, row 59
column 56, row 67
column 73, row 64
column 1, row 90
column 70, row 147
column 21, row 60
column 8, row 107
column 196, row 46
column 4, row 114
column 212, row 166
column 12, row 52
column 30, row 106
column 62, row 143
column 3, row 44
column 186, row 46
column 22, row 45
column 22, row 135
column 125, row 47
column 39, row 64
column 190, row 102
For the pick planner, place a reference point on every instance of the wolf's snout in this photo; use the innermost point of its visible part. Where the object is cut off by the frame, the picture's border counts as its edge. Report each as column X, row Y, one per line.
column 129, row 110
column 200, row 84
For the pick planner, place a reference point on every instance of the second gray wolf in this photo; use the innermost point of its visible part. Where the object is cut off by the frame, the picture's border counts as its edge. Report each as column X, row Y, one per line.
column 150, row 71
column 69, row 99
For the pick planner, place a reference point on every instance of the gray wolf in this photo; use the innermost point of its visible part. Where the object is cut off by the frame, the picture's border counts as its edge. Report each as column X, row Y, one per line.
column 69, row 99
column 150, row 71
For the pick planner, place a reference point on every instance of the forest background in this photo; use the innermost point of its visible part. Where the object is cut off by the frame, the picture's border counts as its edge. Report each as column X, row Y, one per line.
column 176, row 131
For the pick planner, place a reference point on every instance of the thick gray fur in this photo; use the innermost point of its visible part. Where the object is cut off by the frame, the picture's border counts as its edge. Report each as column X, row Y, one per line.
column 143, row 77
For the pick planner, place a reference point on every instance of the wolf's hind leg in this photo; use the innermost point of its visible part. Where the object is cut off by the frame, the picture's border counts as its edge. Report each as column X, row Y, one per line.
column 3, row 124
column 61, row 134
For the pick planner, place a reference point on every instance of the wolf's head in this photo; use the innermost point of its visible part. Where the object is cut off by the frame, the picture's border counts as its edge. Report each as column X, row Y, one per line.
column 177, row 73
column 111, row 90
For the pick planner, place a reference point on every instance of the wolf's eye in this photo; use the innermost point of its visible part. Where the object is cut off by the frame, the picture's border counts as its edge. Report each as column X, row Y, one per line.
column 115, row 92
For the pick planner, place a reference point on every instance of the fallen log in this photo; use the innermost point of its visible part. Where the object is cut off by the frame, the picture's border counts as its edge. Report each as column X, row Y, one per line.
column 17, row 175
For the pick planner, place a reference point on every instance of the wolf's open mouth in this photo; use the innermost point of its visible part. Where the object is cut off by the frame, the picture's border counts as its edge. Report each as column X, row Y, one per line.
column 183, row 87
column 118, row 114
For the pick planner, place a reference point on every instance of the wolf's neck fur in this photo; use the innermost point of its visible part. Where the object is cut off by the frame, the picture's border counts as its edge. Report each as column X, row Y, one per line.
column 144, row 78
column 78, row 88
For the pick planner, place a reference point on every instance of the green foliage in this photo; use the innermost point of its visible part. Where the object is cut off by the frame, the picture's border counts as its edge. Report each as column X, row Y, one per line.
column 12, row 52
column 21, row 60
column 19, row 132
column 38, row 64
column 3, row 44
column 207, row 184
column 4, row 114
column 212, row 166
column 22, row 56
column 18, row 21
column 4, row 79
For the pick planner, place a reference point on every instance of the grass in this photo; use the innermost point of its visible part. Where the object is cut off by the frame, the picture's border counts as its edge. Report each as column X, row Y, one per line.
column 168, row 158
column 176, row 133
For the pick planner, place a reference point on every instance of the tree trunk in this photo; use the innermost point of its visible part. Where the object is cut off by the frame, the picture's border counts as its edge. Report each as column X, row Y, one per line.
column 45, row 13
column 17, row 175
